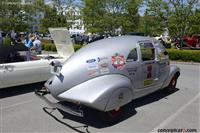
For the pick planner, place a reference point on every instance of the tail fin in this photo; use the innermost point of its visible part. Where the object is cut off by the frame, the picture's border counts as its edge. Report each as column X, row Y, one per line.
column 62, row 41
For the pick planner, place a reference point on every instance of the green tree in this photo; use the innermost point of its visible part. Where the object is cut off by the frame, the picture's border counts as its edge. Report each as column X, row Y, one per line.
column 61, row 14
column 173, row 14
column 13, row 16
column 110, row 15
column 195, row 21
column 92, row 15
column 131, row 20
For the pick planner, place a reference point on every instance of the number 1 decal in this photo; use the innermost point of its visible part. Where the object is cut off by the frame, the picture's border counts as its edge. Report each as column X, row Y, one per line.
column 149, row 71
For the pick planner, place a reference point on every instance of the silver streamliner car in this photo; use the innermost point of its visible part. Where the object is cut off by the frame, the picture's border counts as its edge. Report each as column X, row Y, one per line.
column 108, row 74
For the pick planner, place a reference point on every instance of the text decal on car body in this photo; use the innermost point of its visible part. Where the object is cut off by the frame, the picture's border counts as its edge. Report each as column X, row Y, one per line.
column 100, row 59
column 104, row 65
column 93, row 73
column 118, row 61
column 132, row 71
column 92, row 64
column 91, row 61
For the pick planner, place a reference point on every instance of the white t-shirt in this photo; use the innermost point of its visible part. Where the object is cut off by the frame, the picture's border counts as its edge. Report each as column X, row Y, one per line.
column 37, row 45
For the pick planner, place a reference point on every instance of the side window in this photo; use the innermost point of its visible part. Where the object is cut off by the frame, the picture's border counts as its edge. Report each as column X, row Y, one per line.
column 132, row 56
column 147, row 51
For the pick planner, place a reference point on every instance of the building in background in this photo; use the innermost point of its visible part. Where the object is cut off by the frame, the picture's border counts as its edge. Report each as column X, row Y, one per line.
column 73, row 16
column 72, row 13
column 77, row 26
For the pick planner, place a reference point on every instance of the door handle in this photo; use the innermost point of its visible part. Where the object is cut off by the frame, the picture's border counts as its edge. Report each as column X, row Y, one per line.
column 8, row 68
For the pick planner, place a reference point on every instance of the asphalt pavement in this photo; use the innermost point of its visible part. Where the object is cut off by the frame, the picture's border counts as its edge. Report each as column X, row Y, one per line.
column 21, row 111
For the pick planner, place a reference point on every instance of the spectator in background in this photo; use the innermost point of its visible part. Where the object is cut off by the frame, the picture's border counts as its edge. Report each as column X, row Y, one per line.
column 28, row 42
column 13, row 37
column 1, row 45
column 37, row 45
column 1, row 39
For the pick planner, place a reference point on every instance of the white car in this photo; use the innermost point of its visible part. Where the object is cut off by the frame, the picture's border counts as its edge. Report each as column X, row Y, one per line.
column 38, row 69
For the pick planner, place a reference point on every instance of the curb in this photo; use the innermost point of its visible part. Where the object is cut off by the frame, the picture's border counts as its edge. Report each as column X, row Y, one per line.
column 184, row 63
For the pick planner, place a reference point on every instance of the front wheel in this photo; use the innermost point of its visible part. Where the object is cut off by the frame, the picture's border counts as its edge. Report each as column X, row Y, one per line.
column 172, row 85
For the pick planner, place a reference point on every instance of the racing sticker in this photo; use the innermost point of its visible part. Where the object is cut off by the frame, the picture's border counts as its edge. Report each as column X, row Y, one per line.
column 60, row 77
column 102, row 59
column 132, row 71
column 104, row 65
column 93, row 73
column 104, row 68
column 92, row 64
column 118, row 61
column 148, row 82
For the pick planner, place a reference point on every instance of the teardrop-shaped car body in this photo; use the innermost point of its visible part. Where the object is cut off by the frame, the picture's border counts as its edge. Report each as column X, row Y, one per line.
column 110, row 73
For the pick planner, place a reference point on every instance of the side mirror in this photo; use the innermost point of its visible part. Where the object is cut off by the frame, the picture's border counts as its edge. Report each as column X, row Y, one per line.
column 56, row 67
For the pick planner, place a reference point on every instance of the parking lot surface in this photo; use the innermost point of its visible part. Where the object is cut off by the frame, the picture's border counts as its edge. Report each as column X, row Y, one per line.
column 22, row 111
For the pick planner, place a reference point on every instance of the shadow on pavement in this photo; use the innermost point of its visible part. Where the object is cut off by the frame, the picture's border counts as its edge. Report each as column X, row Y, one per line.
column 91, row 116
column 18, row 90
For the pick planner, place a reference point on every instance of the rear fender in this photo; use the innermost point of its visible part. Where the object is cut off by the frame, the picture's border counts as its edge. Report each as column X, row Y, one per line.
column 99, row 92
column 173, row 70
column 118, row 98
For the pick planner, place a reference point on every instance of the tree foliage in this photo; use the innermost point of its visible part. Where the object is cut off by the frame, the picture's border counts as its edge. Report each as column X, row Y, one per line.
column 60, row 14
column 13, row 15
column 177, row 15
column 111, row 15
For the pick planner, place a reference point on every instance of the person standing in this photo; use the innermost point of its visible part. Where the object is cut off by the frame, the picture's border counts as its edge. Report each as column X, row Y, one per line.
column 1, row 39
column 28, row 42
column 1, row 45
column 13, row 37
column 37, row 45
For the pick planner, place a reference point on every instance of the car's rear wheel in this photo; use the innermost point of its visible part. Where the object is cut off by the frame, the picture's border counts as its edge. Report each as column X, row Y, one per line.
column 112, row 116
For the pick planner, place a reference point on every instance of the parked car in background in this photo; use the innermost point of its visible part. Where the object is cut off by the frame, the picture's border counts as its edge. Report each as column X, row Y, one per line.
column 136, row 34
column 192, row 41
column 20, row 72
column 78, row 39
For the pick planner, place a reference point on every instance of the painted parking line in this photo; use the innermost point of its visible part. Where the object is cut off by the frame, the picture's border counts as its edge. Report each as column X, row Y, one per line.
column 173, row 116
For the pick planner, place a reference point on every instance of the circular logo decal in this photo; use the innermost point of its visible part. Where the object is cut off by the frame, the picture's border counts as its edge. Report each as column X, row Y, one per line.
column 118, row 61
